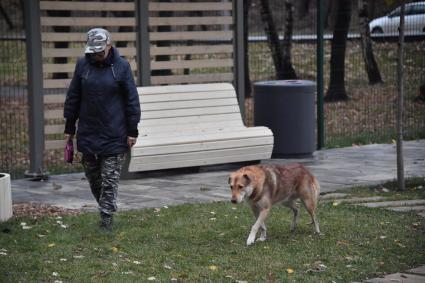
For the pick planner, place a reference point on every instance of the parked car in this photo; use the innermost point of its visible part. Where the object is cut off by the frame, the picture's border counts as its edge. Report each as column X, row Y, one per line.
column 414, row 21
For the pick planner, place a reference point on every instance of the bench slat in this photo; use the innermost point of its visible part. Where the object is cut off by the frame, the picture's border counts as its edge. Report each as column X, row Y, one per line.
column 197, row 130
column 188, row 104
column 248, row 153
column 189, row 112
column 203, row 137
column 185, row 127
column 158, row 122
column 185, row 96
column 185, row 88
column 193, row 147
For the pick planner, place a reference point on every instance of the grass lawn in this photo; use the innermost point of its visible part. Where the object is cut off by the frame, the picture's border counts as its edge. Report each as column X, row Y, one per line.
column 206, row 243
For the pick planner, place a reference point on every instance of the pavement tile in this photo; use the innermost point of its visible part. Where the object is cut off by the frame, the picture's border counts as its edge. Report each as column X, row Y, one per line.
column 407, row 208
column 410, row 202
column 399, row 277
column 418, row 270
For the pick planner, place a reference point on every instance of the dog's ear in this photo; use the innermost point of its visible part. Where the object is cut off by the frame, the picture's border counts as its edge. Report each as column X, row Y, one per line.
column 247, row 178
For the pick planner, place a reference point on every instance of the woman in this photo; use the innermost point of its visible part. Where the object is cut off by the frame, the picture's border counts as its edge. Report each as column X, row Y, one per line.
column 103, row 99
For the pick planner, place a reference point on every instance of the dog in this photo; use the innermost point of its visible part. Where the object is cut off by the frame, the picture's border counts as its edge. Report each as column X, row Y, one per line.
column 264, row 185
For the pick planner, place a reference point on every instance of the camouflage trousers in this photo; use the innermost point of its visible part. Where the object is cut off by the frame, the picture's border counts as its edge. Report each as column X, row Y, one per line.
column 103, row 174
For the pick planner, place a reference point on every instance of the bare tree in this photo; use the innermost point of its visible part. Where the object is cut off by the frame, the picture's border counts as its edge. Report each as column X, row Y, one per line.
column 303, row 6
column 400, row 104
column 371, row 66
column 336, row 90
column 283, row 68
column 288, row 69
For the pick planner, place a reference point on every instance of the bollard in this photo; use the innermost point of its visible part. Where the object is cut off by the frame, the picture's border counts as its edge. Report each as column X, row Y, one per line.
column 5, row 197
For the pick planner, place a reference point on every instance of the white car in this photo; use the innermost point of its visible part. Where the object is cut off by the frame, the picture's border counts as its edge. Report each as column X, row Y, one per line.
column 414, row 21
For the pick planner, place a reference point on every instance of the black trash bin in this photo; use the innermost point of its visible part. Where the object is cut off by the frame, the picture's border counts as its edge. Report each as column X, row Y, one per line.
column 287, row 108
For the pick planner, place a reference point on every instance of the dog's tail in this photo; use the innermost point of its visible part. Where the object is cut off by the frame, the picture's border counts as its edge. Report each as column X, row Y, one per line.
column 316, row 187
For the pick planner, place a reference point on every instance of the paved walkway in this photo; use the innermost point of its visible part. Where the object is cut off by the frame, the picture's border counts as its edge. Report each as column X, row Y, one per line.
column 335, row 169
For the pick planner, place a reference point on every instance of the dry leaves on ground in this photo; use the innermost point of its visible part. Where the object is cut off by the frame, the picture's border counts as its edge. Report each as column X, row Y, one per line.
column 37, row 211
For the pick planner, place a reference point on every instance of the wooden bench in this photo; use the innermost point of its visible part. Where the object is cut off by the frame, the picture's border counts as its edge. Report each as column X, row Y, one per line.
column 194, row 125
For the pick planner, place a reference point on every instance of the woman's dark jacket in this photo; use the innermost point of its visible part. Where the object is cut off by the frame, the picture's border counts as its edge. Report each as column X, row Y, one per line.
column 103, row 98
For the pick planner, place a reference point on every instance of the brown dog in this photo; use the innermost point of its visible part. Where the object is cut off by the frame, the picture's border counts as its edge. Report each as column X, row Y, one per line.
column 264, row 185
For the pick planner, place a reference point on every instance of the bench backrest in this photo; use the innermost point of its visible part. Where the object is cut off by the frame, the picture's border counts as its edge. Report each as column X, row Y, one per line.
column 188, row 108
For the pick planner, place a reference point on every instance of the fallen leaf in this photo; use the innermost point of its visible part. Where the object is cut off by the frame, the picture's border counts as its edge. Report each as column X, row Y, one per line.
column 289, row 270
column 114, row 249
column 166, row 266
column 51, row 245
column 212, row 267
column 152, row 278
column 335, row 203
column 55, row 274
column 136, row 262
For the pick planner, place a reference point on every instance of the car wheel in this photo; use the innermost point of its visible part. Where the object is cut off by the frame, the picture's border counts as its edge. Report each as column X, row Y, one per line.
column 377, row 30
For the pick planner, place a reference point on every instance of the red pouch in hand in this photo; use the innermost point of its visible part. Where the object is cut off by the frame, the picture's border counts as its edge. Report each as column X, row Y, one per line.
column 69, row 151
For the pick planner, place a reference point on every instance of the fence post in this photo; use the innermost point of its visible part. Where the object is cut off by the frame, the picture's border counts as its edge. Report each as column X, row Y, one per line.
column 238, row 54
column 320, row 90
column 34, row 88
column 143, row 43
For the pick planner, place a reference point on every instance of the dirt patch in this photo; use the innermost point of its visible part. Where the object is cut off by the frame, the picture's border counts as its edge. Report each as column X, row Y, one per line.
column 37, row 211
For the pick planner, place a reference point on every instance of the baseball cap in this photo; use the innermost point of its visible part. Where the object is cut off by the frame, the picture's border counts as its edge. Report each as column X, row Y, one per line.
column 97, row 39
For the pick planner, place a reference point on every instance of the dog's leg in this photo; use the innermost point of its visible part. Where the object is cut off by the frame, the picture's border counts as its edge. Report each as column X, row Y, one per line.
column 310, row 206
column 260, row 221
column 263, row 235
column 296, row 211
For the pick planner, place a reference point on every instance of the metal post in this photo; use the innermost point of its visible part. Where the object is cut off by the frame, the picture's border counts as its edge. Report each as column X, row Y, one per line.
column 238, row 54
column 34, row 88
column 400, row 102
column 320, row 89
column 143, row 43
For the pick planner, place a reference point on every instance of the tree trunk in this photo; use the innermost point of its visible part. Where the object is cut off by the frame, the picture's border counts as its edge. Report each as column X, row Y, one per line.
column 247, row 79
column 272, row 38
column 288, row 69
column 371, row 66
column 303, row 6
column 400, row 103
column 336, row 90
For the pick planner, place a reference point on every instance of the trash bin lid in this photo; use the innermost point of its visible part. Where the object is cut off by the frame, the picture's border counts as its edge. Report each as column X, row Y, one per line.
column 294, row 85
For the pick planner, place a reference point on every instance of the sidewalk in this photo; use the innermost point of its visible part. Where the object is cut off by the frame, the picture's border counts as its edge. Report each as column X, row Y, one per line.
column 335, row 168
